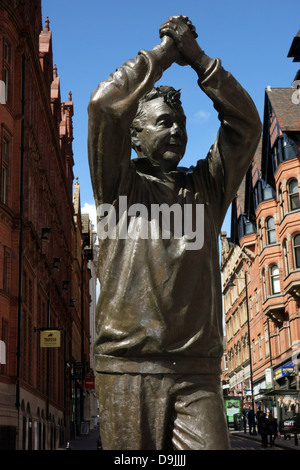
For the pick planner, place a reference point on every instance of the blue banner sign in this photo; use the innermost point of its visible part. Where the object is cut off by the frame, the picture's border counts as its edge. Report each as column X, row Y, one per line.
column 285, row 370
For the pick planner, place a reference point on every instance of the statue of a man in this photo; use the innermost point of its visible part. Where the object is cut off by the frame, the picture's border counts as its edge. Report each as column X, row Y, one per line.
column 159, row 316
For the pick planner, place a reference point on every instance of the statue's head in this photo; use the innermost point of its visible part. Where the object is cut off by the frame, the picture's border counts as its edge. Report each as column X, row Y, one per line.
column 158, row 130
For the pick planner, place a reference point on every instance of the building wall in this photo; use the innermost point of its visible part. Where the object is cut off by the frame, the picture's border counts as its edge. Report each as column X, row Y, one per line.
column 236, row 376
column 269, row 255
column 35, row 193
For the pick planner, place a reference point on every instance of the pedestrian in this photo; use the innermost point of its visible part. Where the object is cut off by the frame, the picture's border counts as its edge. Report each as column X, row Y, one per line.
column 245, row 419
column 258, row 413
column 250, row 416
column 263, row 428
column 272, row 429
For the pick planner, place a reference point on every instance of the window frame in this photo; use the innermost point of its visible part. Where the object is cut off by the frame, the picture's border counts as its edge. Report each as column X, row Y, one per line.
column 4, row 176
column 296, row 251
column 270, row 231
column 7, row 70
column 274, row 279
column 293, row 195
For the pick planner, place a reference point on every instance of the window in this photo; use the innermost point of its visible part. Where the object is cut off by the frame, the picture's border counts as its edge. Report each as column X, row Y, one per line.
column 293, row 194
column 281, row 202
column 260, row 347
column 262, row 192
column 271, row 235
column 289, row 148
column 246, row 346
column 243, row 312
column 296, row 244
column 275, row 281
column 264, row 284
column 256, row 302
column 4, row 171
column 6, row 269
column 283, row 149
column 225, row 362
column 286, row 257
column 6, row 77
column 236, row 322
column 253, row 351
column 245, row 226
column 267, row 341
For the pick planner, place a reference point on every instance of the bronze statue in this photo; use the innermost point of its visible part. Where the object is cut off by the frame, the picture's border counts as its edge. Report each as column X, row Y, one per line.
column 159, row 316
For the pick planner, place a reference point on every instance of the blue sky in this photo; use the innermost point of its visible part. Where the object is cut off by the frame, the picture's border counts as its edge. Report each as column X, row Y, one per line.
column 92, row 38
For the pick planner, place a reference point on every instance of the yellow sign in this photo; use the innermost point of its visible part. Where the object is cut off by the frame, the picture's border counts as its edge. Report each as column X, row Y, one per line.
column 50, row 339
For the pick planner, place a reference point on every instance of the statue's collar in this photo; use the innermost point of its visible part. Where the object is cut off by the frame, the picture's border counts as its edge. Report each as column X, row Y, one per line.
column 144, row 165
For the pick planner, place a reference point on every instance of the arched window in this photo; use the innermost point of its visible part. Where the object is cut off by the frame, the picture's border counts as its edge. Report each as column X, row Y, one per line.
column 296, row 244
column 275, row 281
column 293, row 192
column 271, row 235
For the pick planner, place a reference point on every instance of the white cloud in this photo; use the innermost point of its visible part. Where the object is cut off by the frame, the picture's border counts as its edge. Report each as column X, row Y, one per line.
column 201, row 116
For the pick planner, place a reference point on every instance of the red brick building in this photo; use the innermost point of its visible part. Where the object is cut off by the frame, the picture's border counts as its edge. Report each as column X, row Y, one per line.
column 37, row 229
column 262, row 261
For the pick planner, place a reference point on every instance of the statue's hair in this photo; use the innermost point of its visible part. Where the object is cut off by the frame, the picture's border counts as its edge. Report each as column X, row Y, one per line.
column 168, row 93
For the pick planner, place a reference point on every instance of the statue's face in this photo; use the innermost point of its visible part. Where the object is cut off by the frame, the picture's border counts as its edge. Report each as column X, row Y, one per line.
column 163, row 138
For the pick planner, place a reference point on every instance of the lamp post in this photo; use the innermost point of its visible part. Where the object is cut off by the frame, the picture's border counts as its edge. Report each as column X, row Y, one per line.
column 231, row 283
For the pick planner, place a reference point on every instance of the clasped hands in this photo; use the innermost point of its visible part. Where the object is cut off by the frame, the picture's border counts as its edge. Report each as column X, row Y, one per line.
column 179, row 39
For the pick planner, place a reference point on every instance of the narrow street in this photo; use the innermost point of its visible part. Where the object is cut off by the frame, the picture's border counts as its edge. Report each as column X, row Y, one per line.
column 239, row 442
column 243, row 441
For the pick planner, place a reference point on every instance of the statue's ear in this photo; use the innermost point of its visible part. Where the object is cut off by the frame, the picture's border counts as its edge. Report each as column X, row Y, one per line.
column 135, row 139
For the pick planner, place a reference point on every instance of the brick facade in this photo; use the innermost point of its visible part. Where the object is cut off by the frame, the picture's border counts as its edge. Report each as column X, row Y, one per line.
column 263, row 248
column 37, row 232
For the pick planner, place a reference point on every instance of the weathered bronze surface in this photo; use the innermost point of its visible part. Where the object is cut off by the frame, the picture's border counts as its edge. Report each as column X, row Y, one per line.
column 159, row 316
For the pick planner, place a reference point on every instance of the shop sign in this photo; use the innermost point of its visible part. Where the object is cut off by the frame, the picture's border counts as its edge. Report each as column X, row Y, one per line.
column 50, row 339
column 90, row 382
column 269, row 377
column 285, row 370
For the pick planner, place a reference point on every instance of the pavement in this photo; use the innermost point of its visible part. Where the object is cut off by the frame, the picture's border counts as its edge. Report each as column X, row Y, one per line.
column 287, row 444
column 90, row 441
column 85, row 442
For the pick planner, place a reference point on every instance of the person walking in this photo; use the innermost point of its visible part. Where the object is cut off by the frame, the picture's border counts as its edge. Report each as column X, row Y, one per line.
column 272, row 428
column 250, row 416
column 263, row 428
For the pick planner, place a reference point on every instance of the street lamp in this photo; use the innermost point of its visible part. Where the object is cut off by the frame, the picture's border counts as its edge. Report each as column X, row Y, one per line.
column 231, row 283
